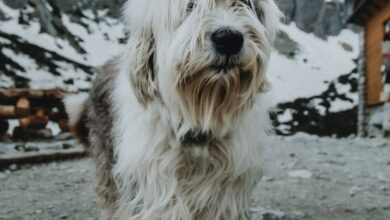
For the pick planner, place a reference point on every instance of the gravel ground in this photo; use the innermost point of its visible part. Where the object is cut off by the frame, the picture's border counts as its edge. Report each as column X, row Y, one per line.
column 306, row 178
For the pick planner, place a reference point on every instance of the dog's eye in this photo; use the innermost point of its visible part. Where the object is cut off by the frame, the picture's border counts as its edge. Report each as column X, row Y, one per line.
column 191, row 6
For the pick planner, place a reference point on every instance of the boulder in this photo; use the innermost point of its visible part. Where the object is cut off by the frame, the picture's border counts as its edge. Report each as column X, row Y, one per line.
column 330, row 20
column 306, row 14
column 288, row 9
column 285, row 45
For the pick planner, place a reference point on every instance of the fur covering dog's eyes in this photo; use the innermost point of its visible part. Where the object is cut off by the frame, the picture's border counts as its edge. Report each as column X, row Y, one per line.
column 246, row 2
column 241, row 3
column 191, row 5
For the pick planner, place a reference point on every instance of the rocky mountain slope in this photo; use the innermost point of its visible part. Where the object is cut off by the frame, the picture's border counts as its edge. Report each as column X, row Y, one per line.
column 323, row 18
column 56, row 43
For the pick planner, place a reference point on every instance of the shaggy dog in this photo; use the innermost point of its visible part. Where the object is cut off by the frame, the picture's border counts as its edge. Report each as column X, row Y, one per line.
column 177, row 122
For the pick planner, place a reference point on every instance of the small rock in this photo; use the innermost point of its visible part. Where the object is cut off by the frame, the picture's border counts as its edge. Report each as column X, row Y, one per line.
column 63, row 137
column 348, row 210
column 273, row 215
column 268, row 178
column 322, row 198
column 38, row 211
column 305, row 174
column 381, row 178
column 13, row 167
column 67, row 146
column 354, row 190
column 19, row 147
column 292, row 155
column 64, row 217
column 383, row 188
column 261, row 213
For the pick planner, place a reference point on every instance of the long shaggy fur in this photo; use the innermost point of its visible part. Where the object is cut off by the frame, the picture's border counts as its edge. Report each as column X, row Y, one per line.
column 171, row 84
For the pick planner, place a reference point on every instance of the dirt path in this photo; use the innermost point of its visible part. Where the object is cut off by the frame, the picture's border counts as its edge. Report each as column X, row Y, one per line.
column 306, row 178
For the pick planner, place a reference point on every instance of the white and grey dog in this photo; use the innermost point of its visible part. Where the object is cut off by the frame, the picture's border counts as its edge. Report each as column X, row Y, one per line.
column 177, row 122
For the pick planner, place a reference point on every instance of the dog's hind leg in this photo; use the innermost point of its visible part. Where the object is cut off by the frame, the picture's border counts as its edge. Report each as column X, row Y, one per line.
column 105, row 186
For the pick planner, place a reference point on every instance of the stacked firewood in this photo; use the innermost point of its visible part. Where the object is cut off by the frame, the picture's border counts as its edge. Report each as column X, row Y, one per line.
column 33, row 109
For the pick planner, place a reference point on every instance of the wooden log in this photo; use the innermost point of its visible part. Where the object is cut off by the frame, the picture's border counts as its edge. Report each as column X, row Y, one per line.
column 40, row 112
column 7, row 111
column 16, row 93
column 12, row 95
column 54, row 94
column 34, row 121
column 22, row 107
column 40, row 157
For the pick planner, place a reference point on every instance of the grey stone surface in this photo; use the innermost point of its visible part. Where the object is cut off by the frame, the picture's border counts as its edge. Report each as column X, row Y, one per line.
column 340, row 167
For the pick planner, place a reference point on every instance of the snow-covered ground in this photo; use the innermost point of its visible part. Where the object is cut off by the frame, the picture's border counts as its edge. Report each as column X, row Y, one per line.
column 317, row 63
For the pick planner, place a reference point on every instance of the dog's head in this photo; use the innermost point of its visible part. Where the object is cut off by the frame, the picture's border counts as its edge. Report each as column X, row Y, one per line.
column 204, row 61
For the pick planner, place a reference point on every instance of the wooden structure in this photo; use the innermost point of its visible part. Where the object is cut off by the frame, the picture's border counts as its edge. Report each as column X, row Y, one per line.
column 373, row 16
column 32, row 108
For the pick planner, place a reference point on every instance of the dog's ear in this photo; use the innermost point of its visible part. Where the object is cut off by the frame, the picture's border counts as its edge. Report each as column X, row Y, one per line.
column 142, row 71
column 269, row 15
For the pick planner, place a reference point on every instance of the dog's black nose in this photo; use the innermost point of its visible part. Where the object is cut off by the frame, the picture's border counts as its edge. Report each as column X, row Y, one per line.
column 227, row 41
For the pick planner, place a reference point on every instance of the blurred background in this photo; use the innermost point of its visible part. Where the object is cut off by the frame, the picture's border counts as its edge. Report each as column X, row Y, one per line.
column 330, row 72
